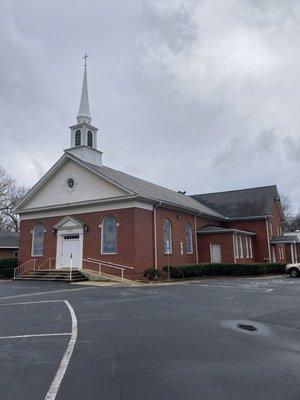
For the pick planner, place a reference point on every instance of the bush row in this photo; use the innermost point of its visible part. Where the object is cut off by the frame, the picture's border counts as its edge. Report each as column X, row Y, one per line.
column 190, row 271
column 7, row 266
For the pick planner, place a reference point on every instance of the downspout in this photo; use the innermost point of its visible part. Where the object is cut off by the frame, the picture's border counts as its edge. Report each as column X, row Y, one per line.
column 155, row 235
column 233, row 243
column 268, row 239
column 196, row 239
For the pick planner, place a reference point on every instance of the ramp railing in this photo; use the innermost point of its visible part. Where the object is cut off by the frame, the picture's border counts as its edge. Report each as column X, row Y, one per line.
column 108, row 264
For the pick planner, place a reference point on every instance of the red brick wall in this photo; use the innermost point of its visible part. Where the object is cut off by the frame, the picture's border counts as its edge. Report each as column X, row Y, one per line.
column 91, row 241
column 224, row 239
column 259, row 241
column 178, row 221
column 135, row 238
column 7, row 253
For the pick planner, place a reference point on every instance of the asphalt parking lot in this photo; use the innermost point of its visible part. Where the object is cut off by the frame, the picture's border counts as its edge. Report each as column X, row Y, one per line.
column 158, row 342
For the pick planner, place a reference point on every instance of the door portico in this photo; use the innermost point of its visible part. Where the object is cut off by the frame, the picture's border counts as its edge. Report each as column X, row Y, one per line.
column 69, row 247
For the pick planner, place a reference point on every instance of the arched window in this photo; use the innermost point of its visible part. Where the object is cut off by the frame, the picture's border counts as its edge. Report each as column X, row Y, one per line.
column 109, row 235
column 188, row 238
column 167, row 237
column 90, row 139
column 38, row 240
column 77, row 138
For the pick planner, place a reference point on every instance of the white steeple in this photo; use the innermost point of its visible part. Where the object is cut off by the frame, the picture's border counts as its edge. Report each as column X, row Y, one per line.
column 83, row 134
column 84, row 114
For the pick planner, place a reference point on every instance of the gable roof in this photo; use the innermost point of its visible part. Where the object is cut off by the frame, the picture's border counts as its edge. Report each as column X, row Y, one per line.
column 133, row 187
column 242, row 203
column 9, row 240
column 150, row 191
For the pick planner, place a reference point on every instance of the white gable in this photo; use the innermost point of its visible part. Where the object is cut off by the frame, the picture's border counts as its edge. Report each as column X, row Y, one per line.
column 88, row 186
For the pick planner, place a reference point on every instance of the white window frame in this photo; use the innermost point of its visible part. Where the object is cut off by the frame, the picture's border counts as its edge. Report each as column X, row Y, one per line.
column 236, row 243
column 247, row 247
column 170, row 241
column 191, row 237
column 33, row 238
column 102, row 232
column 271, row 229
column 241, row 247
column 250, row 247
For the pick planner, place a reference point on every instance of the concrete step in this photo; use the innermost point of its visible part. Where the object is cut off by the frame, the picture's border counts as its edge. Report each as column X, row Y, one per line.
column 53, row 275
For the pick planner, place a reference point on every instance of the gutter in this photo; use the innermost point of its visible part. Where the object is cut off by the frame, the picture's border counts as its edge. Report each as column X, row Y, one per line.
column 155, row 234
column 268, row 239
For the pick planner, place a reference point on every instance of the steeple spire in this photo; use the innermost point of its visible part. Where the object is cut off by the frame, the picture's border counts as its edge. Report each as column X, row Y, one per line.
column 84, row 114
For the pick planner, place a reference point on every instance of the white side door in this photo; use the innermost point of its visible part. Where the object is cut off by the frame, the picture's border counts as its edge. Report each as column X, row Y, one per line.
column 215, row 253
column 70, row 251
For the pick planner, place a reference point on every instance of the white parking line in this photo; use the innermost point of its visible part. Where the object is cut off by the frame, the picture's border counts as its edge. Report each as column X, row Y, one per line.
column 36, row 335
column 52, row 392
column 40, row 293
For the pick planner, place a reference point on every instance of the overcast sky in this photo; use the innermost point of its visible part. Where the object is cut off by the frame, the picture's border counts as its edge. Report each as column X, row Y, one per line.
column 195, row 95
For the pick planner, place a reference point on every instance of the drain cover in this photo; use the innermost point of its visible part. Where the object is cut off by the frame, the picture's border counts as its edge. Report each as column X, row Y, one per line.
column 247, row 327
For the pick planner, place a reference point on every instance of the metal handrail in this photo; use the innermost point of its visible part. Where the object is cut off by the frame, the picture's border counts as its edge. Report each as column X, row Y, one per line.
column 108, row 264
column 49, row 261
column 25, row 267
column 111, row 263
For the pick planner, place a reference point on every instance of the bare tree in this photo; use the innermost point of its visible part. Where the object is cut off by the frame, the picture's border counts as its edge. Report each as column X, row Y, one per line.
column 291, row 219
column 10, row 195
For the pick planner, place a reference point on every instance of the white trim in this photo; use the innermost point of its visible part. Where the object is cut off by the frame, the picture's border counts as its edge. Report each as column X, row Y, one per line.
column 84, row 209
column 247, row 247
column 250, row 247
column 72, row 230
column 236, row 243
column 268, row 241
column 196, row 240
column 241, row 247
column 234, row 249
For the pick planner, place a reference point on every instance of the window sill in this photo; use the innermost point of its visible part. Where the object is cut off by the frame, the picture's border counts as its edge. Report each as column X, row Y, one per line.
column 32, row 255
column 108, row 254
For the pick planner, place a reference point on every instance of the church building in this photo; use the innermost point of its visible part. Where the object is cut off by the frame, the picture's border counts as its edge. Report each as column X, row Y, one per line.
column 82, row 214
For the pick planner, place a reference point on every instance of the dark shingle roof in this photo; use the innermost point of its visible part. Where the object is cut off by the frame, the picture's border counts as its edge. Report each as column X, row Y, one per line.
column 241, row 203
column 285, row 239
column 9, row 239
column 150, row 190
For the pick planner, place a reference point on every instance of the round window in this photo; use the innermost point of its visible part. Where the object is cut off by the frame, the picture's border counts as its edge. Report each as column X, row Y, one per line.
column 70, row 183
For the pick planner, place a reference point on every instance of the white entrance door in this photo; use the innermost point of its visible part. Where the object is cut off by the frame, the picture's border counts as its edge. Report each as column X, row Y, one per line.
column 215, row 253
column 70, row 251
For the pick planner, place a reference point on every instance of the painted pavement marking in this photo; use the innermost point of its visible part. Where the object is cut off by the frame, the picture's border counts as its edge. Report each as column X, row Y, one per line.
column 47, row 292
column 53, row 390
column 35, row 335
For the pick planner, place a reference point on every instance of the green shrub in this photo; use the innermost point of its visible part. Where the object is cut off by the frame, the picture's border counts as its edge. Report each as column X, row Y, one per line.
column 7, row 266
column 151, row 274
column 196, row 270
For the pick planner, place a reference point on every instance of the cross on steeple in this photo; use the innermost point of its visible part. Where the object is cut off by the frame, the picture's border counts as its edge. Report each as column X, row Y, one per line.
column 84, row 58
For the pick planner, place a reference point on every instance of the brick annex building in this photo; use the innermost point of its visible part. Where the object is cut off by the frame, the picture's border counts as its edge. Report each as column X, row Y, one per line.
column 82, row 209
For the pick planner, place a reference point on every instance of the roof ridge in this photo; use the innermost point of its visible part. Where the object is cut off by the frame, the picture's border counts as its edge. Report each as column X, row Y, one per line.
column 235, row 190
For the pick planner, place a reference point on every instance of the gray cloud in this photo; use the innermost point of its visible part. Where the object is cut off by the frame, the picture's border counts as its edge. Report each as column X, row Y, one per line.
column 193, row 95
